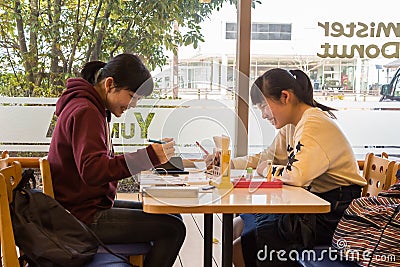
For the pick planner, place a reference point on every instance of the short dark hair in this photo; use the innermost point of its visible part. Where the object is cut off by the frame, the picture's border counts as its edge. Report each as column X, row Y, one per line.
column 126, row 69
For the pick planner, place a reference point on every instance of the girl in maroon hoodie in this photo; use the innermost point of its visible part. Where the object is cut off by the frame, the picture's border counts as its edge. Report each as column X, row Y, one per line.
column 85, row 171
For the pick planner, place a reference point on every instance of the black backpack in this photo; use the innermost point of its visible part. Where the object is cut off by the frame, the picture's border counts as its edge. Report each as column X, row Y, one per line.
column 46, row 232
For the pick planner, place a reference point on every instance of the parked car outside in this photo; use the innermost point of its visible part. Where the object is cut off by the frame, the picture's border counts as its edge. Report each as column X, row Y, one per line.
column 391, row 91
column 332, row 86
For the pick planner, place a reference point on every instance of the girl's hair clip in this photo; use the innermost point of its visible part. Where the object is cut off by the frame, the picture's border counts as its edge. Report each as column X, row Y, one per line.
column 97, row 75
column 291, row 74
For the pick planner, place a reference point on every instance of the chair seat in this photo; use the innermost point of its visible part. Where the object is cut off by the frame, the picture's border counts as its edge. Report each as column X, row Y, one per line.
column 106, row 260
column 127, row 249
column 324, row 261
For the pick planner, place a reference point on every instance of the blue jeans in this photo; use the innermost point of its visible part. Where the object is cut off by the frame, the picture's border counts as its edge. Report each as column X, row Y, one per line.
column 126, row 222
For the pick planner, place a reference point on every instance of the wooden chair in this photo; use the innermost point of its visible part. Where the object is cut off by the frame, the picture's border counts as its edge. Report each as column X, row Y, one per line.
column 9, row 178
column 135, row 251
column 46, row 176
column 380, row 173
column 360, row 164
column 4, row 159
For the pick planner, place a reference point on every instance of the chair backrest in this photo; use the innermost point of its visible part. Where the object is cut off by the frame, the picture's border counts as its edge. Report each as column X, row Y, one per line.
column 9, row 178
column 13, row 175
column 380, row 173
column 38, row 163
column 4, row 159
column 46, row 177
column 26, row 162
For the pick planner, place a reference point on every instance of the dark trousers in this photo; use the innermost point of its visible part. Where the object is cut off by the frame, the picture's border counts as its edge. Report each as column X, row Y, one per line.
column 340, row 199
column 127, row 223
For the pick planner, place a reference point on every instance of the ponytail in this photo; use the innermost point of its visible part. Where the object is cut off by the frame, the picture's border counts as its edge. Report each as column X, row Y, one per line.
column 273, row 81
column 92, row 71
column 127, row 70
column 304, row 91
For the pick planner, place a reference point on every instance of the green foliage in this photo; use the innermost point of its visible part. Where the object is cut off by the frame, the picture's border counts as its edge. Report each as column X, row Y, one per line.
column 144, row 124
column 44, row 42
column 15, row 85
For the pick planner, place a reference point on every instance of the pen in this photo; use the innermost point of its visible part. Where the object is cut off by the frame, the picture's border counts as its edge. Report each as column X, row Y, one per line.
column 172, row 184
column 156, row 141
column 202, row 148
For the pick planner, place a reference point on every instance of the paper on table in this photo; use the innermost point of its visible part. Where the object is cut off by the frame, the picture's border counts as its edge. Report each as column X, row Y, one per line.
column 238, row 173
column 201, row 165
column 194, row 178
column 172, row 192
column 154, row 179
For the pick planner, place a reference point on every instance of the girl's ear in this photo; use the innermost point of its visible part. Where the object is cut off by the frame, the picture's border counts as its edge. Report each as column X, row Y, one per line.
column 108, row 84
column 285, row 96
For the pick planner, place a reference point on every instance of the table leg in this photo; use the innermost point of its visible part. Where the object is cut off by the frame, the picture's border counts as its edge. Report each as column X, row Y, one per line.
column 227, row 239
column 208, row 232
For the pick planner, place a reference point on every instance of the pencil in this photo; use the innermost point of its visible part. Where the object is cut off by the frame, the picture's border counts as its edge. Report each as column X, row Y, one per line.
column 156, row 141
column 202, row 148
column 269, row 173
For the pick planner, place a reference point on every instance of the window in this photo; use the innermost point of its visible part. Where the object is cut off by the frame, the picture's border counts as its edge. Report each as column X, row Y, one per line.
column 231, row 29
column 263, row 31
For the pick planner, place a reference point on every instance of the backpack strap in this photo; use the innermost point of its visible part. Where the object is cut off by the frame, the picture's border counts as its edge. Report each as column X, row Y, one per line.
column 23, row 260
column 105, row 246
column 28, row 180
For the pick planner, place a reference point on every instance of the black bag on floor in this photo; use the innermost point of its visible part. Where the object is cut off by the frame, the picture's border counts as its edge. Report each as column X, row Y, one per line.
column 48, row 234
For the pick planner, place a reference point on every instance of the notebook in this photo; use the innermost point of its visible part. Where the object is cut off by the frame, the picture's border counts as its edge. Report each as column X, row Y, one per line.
column 173, row 166
column 172, row 191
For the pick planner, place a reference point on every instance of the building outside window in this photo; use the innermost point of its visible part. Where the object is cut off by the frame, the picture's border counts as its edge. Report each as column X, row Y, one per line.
column 262, row 31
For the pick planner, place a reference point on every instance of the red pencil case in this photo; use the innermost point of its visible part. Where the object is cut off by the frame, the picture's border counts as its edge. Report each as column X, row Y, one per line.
column 243, row 183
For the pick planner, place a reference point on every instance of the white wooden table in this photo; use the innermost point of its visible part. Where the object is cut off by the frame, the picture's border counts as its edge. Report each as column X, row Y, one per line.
column 288, row 199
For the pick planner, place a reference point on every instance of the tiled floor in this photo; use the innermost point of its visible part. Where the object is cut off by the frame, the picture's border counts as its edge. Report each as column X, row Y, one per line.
column 191, row 254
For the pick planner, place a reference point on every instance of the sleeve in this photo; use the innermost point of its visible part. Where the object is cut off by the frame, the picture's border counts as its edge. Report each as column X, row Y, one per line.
column 89, row 147
column 276, row 151
column 246, row 161
column 306, row 161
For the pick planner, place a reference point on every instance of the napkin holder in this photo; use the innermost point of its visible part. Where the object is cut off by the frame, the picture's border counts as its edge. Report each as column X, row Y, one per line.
column 221, row 170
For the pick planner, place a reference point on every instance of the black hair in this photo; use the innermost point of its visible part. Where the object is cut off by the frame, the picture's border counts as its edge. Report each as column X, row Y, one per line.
column 127, row 70
column 272, row 82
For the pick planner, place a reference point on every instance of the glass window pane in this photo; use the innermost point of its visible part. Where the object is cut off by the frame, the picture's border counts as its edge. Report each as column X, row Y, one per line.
column 344, row 68
column 230, row 35
column 231, row 26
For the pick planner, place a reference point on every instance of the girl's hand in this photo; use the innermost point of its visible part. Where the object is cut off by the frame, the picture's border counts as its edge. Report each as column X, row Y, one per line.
column 213, row 159
column 209, row 160
column 167, row 139
column 261, row 167
column 164, row 151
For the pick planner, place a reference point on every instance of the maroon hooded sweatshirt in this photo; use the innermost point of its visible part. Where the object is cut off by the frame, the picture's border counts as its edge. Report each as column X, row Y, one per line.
column 85, row 173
